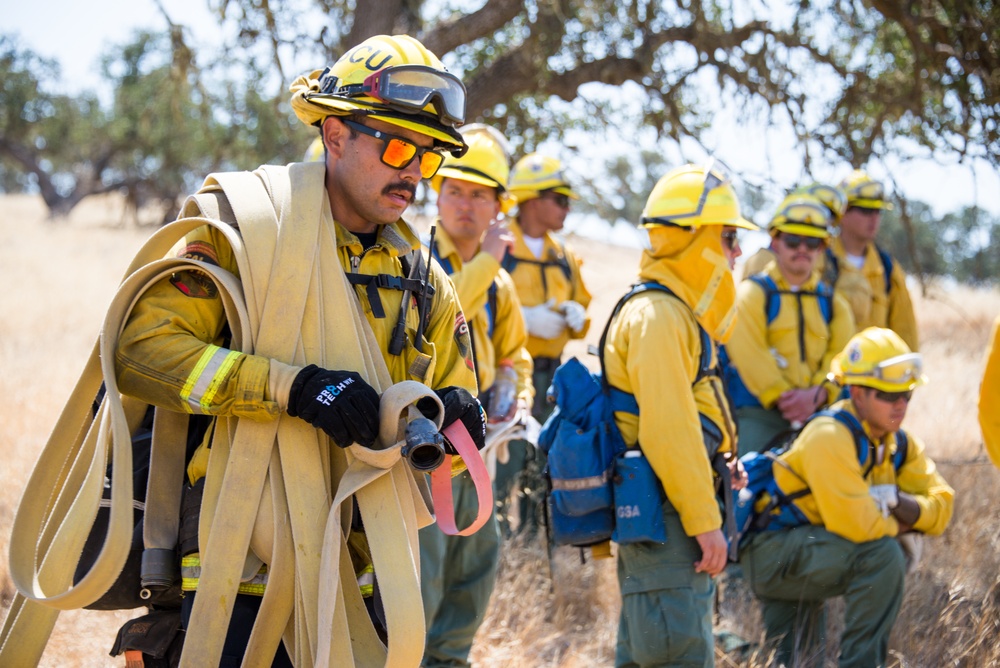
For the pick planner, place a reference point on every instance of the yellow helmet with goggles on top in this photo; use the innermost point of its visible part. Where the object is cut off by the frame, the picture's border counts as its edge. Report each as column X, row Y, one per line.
column 880, row 359
column 832, row 197
column 536, row 173
column 863, row 191
column 694, row 196
column 801, row 214
column 391, row 78
column 486, row 163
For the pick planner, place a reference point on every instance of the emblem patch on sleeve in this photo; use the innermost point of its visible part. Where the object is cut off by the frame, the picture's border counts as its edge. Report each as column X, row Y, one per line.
column 195, row 284
column 463, row 339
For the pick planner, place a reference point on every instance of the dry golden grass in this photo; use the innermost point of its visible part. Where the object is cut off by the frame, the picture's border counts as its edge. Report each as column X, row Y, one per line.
column 60, row 277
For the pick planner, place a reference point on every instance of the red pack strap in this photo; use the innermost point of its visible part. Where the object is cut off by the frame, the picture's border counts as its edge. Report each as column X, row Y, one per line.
column 444, row 505
column 133, row 659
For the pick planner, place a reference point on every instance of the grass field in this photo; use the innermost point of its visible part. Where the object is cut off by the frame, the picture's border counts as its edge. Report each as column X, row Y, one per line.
column 60, row 276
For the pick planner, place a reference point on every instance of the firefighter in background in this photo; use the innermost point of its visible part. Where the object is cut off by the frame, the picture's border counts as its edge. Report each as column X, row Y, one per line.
column 871, row 280
column 851, row 514
column 832, row 197
column 554, row 300
column 458, row 572
column 655, row 350
column 989, row 397
column 790, row 326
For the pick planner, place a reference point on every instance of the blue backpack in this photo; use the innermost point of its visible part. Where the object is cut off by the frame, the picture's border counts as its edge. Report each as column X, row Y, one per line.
column 599, row 489
column 762, row 506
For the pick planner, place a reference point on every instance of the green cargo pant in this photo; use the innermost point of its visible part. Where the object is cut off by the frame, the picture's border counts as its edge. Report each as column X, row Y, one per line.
column 794, row 571
column 666, row 617
column 457, row 574
column 521, row 476
column 758, row 426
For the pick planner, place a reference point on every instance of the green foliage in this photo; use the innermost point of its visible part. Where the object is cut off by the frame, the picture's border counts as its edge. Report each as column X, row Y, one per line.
column 963, row 244
column 168, row 125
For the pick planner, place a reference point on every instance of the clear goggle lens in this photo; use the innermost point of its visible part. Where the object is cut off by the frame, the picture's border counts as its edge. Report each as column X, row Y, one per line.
column 869, row 190
column 901, row 369
column 415, row 86
column 808, row 214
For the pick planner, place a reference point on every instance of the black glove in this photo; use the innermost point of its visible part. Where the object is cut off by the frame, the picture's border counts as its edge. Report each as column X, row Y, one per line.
column 458, row 405
column 340, row 403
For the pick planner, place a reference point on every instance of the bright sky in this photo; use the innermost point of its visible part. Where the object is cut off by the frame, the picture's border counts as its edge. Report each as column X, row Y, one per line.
column 76, row 33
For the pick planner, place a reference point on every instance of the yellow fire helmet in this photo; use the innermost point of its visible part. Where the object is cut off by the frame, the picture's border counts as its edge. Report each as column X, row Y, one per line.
column 694, row 196
column 832, row 197
column 878, row 358
column 801, row 214
column 487, row 163
column 534, row 174
column 392, row 78
column 864, row 191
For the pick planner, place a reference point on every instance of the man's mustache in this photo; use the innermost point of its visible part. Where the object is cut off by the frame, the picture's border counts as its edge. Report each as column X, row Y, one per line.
column 408, row 188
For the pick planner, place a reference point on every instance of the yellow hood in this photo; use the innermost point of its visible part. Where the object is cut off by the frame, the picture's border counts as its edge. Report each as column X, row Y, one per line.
column 690, row 262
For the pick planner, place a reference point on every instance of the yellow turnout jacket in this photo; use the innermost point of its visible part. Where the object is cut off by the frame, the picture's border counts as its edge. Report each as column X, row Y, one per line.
column 796, row 348
column 824, row 458
column 653, row 352
column 989, row 397
column 540, row 279
column 509, row 337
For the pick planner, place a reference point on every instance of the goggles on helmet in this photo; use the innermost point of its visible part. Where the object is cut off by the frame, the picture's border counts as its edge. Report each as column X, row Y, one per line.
column 869, row 190
column 899, row 370
column 804, row 213
column 408, row 88
column 398, row 152
column 717, row 174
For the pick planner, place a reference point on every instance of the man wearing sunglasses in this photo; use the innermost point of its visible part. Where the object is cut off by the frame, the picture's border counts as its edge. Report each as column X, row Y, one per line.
column 554, row 299
column 861, row 483
column 789, row 326
column 342, row 292
column 832, row 197
column 872, row 281
column 457, row 573
column 659, row 348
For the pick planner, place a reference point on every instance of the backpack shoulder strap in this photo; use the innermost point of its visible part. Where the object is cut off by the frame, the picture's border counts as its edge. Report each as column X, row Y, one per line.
column 887, row 265
column 824, row 294
column 772, row 300
column 862, row 443
column 705, row 359
column 902, row 449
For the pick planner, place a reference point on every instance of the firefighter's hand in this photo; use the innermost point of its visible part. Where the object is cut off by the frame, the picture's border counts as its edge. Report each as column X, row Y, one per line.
column 713, row 552
column 576, row 315
column 459, row 405
column 798, row 404
column 497, row 240
column 340, row 403
column 543, row 322
column 737, row 474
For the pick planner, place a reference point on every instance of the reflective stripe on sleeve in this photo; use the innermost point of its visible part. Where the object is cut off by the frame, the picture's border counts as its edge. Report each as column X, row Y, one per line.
column 191, row 573
column 203, row 382
column 366, row 581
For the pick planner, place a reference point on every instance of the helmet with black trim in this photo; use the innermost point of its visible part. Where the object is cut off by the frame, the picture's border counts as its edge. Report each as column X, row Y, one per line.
column 487, row 163
column 694, row 196
column 391, row 78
